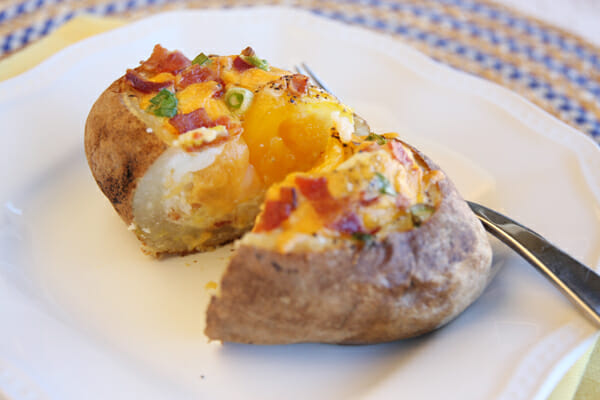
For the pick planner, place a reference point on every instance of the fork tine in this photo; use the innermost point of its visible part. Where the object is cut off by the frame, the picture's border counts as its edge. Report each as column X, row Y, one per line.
column 305, row 69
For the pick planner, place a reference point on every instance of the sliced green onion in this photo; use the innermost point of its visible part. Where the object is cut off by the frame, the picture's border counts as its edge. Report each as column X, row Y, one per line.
column 385, row 187
column 373, row 137
column 164, row 104
column 257, row 62
column 201, row 59
column 421, row 213
column 363, row 237
column 238, row 99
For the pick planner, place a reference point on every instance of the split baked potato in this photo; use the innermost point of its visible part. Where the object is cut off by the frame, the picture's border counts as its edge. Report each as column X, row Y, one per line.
column 185, row 150
column 379, row 248
column 354, row 237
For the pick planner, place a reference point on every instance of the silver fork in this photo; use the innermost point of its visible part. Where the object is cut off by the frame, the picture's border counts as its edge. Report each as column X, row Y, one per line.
column 579, row 283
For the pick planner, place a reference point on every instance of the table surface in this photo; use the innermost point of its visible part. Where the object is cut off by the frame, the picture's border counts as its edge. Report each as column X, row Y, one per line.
column 552, row 67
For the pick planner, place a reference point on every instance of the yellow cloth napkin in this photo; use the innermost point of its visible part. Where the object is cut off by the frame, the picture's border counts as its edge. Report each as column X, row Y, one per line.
column 582, row 382
column 73, row 31
column 569, row 384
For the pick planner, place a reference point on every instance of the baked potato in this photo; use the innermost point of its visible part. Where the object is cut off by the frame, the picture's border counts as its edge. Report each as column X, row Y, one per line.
column 347, row 236
column 381, row 247
column 185, row 150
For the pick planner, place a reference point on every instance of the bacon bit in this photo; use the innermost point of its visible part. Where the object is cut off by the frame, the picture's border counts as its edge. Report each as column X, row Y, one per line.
column 223, row 120
column 375, row 230
column 221, row 91
column 349, row 223
column 195, row 74
column 240, row 65
column 248, row 52
column 219, row 224
column 402, row 201
column 298, row 84
column 215, row 142
column 196, row 119
column 288, row 195
column 163, row 60
column 137, row 82
column 233, row 127
column 277, row 211
column 399, row 153
column 367, row 200
column 316, row 191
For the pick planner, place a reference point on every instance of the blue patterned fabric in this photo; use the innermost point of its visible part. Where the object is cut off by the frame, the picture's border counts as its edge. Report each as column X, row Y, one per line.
column 553, row 68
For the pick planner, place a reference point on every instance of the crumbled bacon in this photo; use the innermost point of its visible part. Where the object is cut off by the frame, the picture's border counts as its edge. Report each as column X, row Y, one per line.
column 400, row 153
column 240, row 65
column 199, row 147
column 233, row 127
column 221, row 89
column 289, row 196
column 402, row 201
column 195, row 74
column 348, row 223
column 277, row 211
column 196, row 119
column 219, row 224
column 366, row 199
column 248, row 52
column 298, row 84
column 223, row 120
column 139, row 83
column 163, row 60
column 316, row 191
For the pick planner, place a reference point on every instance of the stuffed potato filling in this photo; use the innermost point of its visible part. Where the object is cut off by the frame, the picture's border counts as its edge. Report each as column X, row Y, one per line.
column 383, row 187
column 234, row 125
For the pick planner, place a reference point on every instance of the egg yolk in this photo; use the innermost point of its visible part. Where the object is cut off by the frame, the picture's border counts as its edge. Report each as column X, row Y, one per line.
column 287, row 133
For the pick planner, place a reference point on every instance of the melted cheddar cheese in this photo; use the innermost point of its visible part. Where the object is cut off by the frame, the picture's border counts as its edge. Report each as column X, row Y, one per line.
column 382, row 188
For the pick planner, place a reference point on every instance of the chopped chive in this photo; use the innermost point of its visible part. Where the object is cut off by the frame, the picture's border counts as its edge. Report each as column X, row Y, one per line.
column 238, row 99
column 421, row 213
column 373, row 137
column 164, row 104
column 385, row 187
column 257, row 62
column 201, row 59
column 363, row 237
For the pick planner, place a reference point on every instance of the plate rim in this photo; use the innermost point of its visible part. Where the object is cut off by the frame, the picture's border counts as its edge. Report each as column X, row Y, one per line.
column 528, row 113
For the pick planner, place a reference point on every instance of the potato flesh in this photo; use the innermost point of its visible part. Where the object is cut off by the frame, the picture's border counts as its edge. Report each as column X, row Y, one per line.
column 188, row 201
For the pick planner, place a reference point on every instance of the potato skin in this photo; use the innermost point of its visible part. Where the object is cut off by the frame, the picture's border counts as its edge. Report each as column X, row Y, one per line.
column 119, row 150
column 402, row 286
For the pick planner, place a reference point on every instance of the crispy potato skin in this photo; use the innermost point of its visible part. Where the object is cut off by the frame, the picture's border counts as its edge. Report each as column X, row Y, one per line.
column 118, row 148
column 405, row 285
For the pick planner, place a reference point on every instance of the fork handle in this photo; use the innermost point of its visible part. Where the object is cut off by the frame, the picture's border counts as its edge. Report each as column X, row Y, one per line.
column 578, row 282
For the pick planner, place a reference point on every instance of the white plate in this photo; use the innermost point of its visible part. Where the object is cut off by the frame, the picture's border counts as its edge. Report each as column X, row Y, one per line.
column 86, row 315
